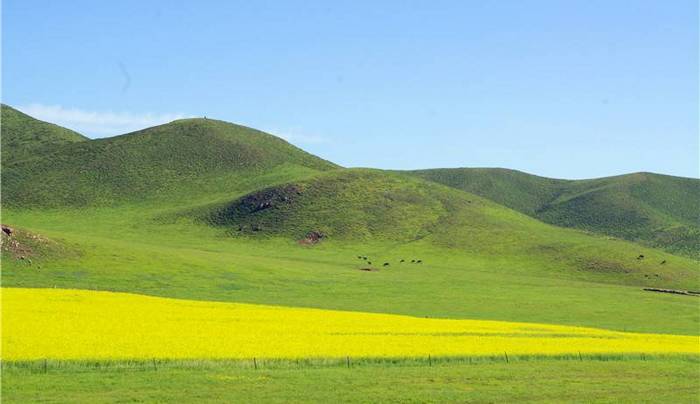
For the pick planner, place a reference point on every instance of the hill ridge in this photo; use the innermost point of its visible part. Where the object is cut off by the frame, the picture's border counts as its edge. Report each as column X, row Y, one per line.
column 656, row 209
column 183, row 156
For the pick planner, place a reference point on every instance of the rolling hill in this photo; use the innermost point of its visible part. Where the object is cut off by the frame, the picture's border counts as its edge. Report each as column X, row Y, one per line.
column 355, row 205
column 358, row 204
column 175, row 160
column 656, row 210
column 24, row 137
column 205, row 209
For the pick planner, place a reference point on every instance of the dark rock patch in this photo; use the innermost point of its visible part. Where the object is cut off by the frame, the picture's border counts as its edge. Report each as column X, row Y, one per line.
column 7, row 230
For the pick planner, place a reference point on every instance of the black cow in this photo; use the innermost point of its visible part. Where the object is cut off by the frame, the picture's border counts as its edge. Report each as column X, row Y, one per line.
column 386, row 264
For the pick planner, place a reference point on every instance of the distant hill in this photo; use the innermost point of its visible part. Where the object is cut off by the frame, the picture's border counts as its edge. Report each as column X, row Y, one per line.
column 179, row 159
column 657, row 210
column 25, row 137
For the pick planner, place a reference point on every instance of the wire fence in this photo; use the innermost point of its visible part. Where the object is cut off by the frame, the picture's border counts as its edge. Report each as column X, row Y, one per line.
column 255, row 363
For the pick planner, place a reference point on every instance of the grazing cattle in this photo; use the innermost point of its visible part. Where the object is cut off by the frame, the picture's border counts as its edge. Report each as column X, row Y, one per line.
column 641, row 257
column 359, row 257
column 369, row 263
column 413, row 261
column 386, row 264
column 663, row 262
column 402, row 260
column 419, row 262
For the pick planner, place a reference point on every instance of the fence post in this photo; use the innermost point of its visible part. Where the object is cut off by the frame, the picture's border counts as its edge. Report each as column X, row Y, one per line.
column 430, row 361
column 155, row 367
column 506, row 354
column 347, row 359
column 255, row 364
column 580, row 358
column 46, row 367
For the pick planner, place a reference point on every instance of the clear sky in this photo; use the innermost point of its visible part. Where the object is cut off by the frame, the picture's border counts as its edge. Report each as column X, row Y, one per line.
column 568, row 89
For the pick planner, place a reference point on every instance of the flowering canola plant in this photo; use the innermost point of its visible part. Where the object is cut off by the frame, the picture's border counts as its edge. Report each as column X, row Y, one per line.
column 81, row 324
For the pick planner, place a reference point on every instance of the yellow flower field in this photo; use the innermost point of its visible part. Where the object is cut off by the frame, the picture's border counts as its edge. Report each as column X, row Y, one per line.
column 79, row 324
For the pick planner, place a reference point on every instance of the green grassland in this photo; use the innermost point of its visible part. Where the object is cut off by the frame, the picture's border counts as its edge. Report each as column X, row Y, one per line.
column 203, row 209
column 506, row 267
column 657, row 210
column 635, row 381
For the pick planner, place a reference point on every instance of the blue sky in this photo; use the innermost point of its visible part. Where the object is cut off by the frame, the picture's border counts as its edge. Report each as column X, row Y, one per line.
column 568, row 89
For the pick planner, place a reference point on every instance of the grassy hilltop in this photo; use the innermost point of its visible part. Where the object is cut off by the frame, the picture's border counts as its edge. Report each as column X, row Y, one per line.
column 656, row 210
column 24, row 137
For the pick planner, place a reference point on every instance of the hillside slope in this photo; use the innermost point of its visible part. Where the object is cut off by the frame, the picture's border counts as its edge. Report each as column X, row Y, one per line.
column 657, row 210
column 184, row 158
column 351, row 205
column 25, row 137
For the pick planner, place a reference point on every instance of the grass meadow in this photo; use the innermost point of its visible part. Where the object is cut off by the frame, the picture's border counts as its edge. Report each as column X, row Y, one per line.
column 502, row 307
column 605, row 379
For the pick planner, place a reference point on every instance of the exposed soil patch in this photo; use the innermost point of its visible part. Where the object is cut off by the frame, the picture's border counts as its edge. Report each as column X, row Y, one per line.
column 24, row 246
column 312, row 237
column 20, row 244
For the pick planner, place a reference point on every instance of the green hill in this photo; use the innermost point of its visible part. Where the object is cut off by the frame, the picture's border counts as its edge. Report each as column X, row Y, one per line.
column 24, row 137
column 356, row 205
column 183, row 159
column 657, row 210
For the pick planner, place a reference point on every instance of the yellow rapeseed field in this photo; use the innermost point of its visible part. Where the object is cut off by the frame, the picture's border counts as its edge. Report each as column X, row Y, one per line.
column 79, row 324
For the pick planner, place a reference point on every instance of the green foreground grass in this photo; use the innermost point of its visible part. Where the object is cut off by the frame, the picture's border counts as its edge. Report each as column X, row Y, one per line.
column 629, row 380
